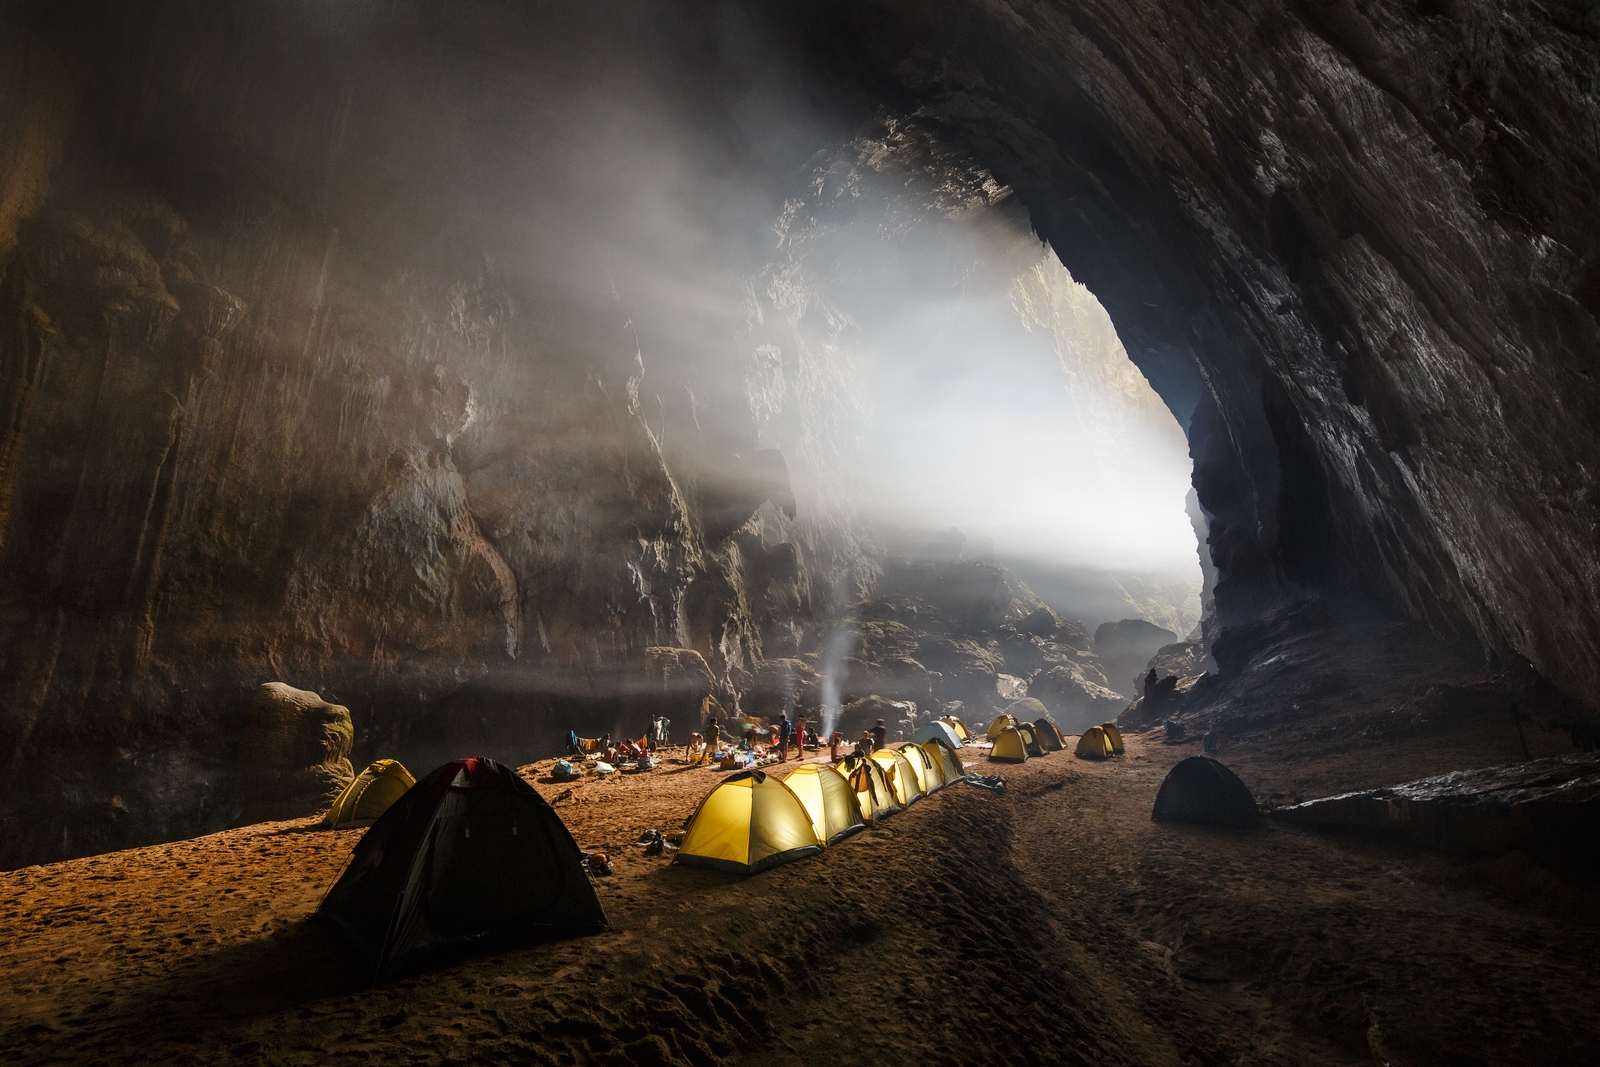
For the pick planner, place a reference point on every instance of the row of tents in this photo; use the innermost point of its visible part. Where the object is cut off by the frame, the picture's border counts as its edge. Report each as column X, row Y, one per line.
column 1015, row 739
column 752, row 820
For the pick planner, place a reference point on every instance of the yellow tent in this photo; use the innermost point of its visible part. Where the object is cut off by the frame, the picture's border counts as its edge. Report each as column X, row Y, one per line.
column 829, row 800
column 945, row 758
column 368, row 796
column 930, row 773
column 872, row 790
column 748, row 823
column 902, row 778
column 1009, row 747
column 1114, row 735
column 919, row 767
column 958, row 726
column 1001, row 722
column 1049, row 735
column 1094, row 743
column 1031, row 741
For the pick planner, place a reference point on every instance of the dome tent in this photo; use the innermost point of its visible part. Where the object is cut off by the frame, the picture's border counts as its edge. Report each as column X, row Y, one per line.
column 1201, row 790
column 471, row 857
column 1094, row 744
column 1001, row 722
column 1030, row 739
column 927, row 780
column 941, row 731
column 748, row 823
column 368, row 795
column 835, row 812
column 1009, row 747
column 877, row 799
column 959, row 727
column 932, row 773
column 1113, row 735
column 900, row 775
column 1049, row 735
column 945, row 756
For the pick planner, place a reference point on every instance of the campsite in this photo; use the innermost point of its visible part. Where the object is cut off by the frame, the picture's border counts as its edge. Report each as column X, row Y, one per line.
column 1139, row 940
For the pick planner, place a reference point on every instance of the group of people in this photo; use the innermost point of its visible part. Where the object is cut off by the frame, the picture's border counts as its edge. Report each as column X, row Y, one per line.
column 777, row 738
column 756, row 742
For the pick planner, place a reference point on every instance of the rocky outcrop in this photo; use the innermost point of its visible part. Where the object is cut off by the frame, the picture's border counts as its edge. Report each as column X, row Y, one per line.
column 1548, row 807
column 295, row 754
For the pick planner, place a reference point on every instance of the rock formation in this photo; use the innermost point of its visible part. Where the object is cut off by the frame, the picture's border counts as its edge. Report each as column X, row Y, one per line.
column 294, row 756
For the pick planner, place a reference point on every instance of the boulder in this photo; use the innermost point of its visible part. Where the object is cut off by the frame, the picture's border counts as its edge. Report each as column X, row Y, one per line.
column 1076, row 701
column 295, row 754
column 859, row 715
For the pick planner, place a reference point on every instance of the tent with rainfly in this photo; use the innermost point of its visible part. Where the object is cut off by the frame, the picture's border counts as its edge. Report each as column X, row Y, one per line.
column 929, row 773
column 368, row 796
column 901, row 776
column 913, row 755
column 1001, row 723
column 1031, row 740
column 1048, row 733
column 835, row 812
column 1094, row 744
column 945, row 756
column 470, row 858
column 959, row 727
column 941, row 731
column 1009, row 747
column 873, row 793
column 1113, row 735
column 748, row 823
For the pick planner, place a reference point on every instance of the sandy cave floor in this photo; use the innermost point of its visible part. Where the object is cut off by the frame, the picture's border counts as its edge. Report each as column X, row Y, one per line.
column 1054, row 924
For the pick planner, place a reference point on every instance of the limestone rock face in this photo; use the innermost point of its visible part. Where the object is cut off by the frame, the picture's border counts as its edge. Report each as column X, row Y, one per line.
column 295, row 754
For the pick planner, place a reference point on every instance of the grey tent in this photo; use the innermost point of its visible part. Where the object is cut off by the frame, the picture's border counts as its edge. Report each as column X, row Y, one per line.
column 1201, row 790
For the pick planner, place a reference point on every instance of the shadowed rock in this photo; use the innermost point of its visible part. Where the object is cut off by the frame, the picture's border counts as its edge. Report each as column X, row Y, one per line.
column 295, row 754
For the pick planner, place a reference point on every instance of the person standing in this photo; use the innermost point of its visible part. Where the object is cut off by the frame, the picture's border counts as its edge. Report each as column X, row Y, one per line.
column 713, row 734
column 800, row 737
column 785, row 735
column 880, row 736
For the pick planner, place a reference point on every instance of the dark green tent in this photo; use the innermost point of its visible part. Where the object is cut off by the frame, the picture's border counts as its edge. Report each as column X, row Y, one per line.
column 470, row 859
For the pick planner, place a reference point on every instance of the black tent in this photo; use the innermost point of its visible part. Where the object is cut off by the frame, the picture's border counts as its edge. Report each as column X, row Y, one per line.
column 471, row 858
column 1201, row 790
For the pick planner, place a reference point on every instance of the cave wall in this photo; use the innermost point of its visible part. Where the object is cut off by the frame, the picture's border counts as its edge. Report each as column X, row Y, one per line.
column 1352, row 244
column 283, row 401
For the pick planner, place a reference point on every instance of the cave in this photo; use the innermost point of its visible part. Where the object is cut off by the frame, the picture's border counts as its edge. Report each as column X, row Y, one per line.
column 429, row 379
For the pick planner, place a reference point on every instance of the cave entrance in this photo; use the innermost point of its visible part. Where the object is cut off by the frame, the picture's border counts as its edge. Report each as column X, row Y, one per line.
column 925, row 361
